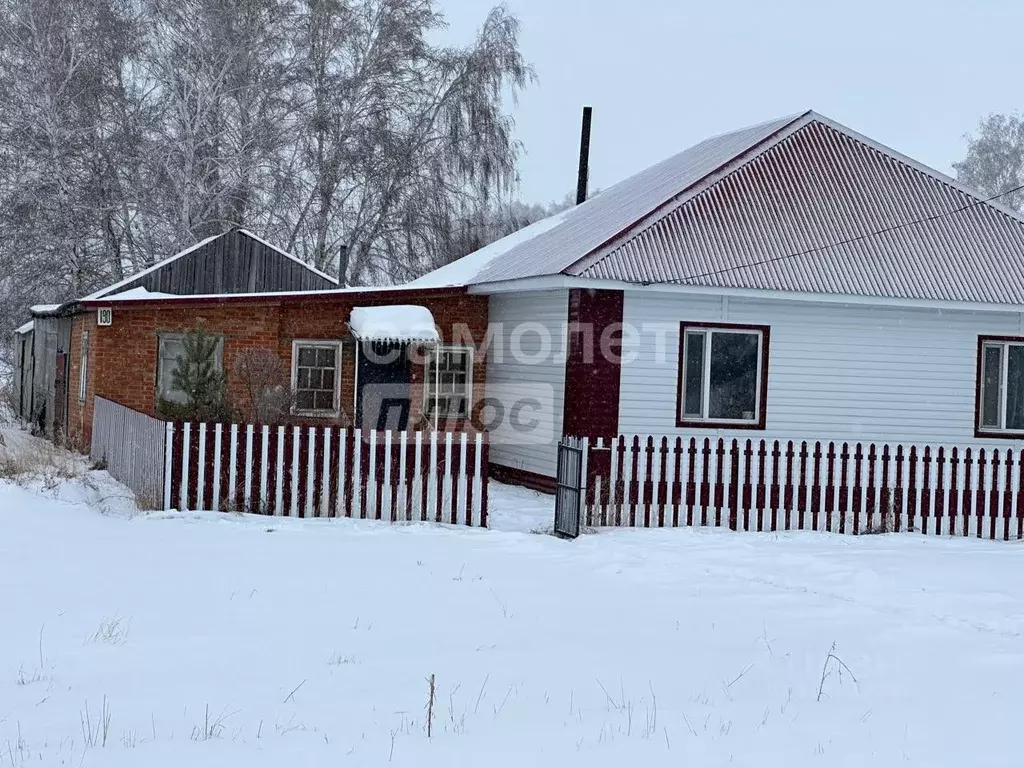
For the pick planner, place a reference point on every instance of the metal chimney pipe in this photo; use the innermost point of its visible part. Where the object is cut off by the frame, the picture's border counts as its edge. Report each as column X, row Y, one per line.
column 343, row 266
column 584, row 174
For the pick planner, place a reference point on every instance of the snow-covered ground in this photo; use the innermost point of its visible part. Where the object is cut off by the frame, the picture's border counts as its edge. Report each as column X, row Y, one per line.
column 222, row 640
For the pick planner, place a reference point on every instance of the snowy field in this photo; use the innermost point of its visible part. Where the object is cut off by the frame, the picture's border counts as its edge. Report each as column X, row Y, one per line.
column 204, row 640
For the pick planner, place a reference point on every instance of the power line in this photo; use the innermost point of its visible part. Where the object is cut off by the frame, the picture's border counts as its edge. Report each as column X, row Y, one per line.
column 858, row 238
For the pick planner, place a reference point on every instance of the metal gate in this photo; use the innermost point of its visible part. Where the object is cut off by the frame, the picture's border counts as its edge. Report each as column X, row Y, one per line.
column 569, row 488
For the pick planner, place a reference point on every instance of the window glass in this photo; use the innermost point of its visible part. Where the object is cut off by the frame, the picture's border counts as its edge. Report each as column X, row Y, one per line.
column 172, row 347
column 1015, row 387
column 694, row 373
column 316, row 376
column 990, row 385
column 449, row 381
column 83, row 374
column 733, row 390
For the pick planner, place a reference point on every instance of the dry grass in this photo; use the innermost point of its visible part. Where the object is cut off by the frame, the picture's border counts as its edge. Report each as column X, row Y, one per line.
column 28, row 460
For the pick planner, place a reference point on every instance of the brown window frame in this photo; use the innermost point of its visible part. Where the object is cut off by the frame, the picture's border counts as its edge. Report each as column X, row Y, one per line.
column 762, row 411
column 979, row 430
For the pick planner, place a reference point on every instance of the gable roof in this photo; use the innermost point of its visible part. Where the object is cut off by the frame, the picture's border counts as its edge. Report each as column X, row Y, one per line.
column 139, row 279
column 560, row 240
column 798, row 204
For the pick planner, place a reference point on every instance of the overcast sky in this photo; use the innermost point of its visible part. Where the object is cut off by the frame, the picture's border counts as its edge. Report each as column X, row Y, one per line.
column 664, row 74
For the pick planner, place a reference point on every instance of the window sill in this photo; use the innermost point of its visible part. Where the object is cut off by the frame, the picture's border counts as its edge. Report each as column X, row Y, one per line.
column 711, row 424
column 317, row 414
column 989, row 434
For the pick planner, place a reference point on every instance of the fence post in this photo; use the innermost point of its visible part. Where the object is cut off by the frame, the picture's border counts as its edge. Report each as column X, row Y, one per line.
column 484, row 479
column 168, row 464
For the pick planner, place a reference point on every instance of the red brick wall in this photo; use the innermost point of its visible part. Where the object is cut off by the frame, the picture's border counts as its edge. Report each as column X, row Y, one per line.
column 593, row 367
column 123, row 356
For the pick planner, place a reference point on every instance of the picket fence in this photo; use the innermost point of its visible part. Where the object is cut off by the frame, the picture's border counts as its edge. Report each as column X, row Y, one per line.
column 750, row 485
column 317, row 471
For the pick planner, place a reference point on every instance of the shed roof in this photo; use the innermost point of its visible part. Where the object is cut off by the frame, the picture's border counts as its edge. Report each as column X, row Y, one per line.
column 796, row 204
column 22, row 329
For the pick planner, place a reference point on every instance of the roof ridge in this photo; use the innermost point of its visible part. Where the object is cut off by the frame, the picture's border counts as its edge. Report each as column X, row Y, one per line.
column 918, row 166
column 806, row 119
column 250, row 234
column 102, row 292
column 736, row 162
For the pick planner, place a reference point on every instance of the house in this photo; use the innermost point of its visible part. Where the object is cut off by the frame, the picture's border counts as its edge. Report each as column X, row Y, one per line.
column 793, row 279
column 397, row 358
column 789, row 280
column 234, row 262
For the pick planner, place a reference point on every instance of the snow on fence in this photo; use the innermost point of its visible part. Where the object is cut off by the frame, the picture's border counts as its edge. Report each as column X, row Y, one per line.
column 801, row 485
column 317, row 471
column 131, row 445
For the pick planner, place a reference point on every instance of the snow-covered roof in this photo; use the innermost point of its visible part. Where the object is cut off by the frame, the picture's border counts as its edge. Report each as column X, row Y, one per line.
column 24, row 328
column 139, row 294
column 44, row 309
column 576, row 232
column 265, row 295
column 800, row 204
column 465, row 271
column 399, row 322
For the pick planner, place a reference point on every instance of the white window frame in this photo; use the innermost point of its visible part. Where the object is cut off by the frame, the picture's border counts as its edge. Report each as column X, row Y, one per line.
column 83, row 368
column 1003, row 345
column 708, row 332
column 318, row 344
column 179, row 336
column 432, row 354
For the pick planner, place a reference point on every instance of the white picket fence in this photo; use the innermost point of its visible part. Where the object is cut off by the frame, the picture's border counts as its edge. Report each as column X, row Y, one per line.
column 317, row 471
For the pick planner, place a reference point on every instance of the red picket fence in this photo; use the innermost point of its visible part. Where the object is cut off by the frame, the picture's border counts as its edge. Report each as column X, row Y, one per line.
column 776, row 485
column 327, row 472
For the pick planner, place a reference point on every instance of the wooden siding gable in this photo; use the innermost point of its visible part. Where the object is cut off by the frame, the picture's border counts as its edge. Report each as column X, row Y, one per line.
column 235, row 262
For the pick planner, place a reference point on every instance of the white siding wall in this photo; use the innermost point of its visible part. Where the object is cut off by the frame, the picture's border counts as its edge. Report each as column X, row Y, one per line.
column 540, row 318
column 846, row 372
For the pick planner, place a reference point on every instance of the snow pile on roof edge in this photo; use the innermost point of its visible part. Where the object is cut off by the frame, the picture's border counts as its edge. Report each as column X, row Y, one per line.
column 398, row 322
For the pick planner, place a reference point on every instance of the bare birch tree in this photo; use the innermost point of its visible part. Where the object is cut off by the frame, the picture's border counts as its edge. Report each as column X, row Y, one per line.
column 994, row 164
column 133, row 128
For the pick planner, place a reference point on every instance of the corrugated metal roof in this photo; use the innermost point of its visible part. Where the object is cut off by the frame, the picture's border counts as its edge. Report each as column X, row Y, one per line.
column 826, row 193
column 590, row 225
column 801, row 203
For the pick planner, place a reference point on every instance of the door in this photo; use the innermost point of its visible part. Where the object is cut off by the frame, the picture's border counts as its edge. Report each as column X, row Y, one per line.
column 569, row 488
column 383, row 375
column 60, row 397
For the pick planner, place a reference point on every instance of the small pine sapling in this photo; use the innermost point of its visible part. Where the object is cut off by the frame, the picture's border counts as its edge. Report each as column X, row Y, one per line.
column 199, row 377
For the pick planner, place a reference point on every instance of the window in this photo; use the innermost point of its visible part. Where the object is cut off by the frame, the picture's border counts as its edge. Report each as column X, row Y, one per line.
column 83, row 373
column 449, row 386
column 171, row 347
column 316, row 367
column 722, row 376
column 1000, row 385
